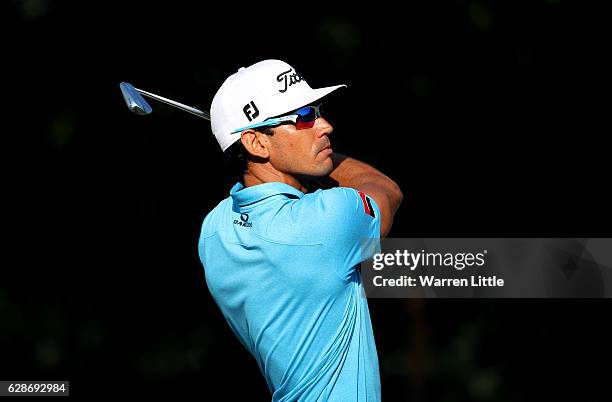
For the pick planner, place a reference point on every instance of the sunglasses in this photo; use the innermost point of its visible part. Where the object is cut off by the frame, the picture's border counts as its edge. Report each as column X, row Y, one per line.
column 303, row 117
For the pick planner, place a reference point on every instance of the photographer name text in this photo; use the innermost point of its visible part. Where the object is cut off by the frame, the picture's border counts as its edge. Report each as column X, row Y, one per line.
column 403, row 259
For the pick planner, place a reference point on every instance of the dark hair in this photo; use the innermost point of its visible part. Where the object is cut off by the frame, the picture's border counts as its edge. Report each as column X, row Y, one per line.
column 237, row 157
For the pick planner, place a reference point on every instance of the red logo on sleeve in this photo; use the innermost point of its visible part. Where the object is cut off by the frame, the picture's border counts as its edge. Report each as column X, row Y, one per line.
column 367, row 205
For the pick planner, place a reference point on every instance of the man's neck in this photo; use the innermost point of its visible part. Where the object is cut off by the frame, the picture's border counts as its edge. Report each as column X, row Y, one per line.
column 253, row 177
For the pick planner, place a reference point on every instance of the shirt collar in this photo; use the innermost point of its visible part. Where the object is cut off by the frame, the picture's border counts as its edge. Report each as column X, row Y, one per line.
column 249, row 195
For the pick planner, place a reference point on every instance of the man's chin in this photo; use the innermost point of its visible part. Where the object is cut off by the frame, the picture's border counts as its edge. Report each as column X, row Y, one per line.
column 321, row 170
column 325, row 170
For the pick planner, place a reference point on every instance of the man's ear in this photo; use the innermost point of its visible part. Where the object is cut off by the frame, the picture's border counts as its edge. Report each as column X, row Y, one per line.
column 256, row 143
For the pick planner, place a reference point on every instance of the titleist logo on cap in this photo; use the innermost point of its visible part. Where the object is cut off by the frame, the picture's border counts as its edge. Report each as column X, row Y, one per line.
column 288, row 79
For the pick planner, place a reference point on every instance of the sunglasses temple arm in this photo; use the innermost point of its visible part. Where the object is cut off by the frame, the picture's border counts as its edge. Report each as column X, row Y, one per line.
column 269, row 122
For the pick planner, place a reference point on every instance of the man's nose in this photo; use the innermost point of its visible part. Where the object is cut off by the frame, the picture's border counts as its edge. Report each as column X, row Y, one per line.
column 323, row 127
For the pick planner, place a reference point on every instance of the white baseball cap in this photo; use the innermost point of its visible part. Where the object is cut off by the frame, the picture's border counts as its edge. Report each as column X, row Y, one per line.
column 256, row 93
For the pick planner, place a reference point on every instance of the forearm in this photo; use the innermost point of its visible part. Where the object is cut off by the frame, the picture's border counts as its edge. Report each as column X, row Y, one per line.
column 350, row 172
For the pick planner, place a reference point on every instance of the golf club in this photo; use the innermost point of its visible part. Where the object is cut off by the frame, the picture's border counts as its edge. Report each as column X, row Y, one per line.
column 137, row 104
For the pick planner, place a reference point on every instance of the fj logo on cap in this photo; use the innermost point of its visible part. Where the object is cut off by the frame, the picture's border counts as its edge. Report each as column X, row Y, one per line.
column 250, row 111
column 288, row 78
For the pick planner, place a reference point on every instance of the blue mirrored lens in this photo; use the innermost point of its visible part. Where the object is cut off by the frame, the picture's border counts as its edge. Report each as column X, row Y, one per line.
column 307, row 113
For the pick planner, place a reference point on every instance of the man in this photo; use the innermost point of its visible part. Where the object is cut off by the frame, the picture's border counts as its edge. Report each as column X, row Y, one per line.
column 282, row 262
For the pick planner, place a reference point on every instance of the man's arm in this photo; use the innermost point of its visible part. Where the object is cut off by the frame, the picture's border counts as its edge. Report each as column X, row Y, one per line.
column 349, row 172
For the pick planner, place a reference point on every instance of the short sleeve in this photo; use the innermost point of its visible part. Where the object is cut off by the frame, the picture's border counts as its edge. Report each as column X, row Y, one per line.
column 350, row 225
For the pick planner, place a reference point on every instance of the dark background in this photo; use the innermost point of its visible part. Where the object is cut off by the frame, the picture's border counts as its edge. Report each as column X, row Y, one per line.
column 491, row 117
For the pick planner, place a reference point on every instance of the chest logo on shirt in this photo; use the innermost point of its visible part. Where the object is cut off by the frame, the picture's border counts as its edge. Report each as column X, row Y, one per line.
column 244, row 221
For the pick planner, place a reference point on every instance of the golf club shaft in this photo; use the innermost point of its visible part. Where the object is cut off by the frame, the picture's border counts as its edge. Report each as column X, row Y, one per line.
column 177, row 105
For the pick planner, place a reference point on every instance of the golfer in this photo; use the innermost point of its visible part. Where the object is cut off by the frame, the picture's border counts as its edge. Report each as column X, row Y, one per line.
column 281, row 259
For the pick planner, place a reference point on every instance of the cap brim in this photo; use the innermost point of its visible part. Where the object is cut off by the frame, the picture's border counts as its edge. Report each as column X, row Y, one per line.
column 312, row 97
column 320, row 93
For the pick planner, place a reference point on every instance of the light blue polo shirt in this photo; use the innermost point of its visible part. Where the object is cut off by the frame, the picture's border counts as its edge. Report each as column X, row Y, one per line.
column 283, row 268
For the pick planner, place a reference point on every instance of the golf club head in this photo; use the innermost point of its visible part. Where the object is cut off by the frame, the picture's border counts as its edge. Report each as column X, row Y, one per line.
column 134, row 100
